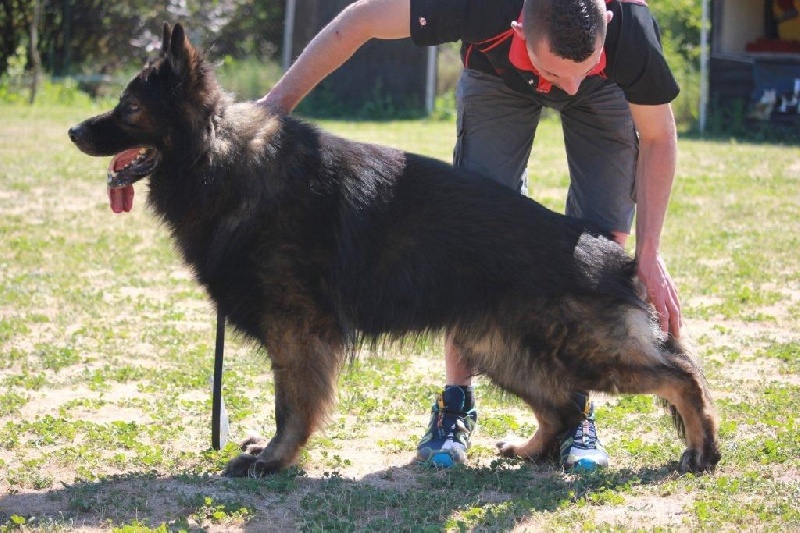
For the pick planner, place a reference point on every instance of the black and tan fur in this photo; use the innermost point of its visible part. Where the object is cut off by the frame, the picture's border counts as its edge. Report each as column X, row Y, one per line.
column 311, row 243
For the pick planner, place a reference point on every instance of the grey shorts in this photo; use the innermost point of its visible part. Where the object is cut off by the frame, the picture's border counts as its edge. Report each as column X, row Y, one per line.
column 497, row 125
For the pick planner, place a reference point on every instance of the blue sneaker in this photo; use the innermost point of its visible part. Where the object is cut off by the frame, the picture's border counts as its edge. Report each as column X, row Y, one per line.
column 581, row 450
column 449, row 430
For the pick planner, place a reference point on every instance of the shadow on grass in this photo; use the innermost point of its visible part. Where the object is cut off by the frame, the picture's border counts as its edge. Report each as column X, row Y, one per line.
column 412, row 497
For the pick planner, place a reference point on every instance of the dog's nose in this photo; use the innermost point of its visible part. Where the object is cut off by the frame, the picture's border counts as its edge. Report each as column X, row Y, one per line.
column 74, row 133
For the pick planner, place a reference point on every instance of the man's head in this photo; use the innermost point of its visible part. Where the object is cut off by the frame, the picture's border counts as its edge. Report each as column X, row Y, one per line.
column 564, row 38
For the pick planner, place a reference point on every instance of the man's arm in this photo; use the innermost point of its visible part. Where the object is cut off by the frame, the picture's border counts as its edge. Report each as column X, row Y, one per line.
column 655, row 172
column 335, row 43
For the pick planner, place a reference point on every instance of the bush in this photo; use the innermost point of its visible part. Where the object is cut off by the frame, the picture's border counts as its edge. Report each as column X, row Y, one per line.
column 248, row 79
column 686, row 106
column 16, row 91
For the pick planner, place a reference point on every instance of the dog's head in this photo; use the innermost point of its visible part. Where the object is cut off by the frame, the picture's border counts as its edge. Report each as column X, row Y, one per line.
column 159, row 115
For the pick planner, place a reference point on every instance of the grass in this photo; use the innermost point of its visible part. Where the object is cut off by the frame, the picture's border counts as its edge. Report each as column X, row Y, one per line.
column 106, row 343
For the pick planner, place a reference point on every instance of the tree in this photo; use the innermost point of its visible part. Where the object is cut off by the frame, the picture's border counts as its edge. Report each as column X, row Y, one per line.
column 680, row 22
column 92, row 36
column 35, row 58
column 14, row 27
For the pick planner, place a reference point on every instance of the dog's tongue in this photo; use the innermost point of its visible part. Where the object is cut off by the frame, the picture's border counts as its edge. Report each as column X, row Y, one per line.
column 121, row 198
column 123, row 159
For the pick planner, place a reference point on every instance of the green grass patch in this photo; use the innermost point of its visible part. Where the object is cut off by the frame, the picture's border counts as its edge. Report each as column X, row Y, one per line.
column 106, row 349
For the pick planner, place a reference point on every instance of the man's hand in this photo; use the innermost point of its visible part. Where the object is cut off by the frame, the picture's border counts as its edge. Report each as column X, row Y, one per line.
column 121, row 199
column 662, row 293
column 272, row 102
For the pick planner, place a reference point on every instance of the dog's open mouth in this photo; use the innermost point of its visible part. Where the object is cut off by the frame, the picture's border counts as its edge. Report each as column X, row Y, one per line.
column 129, row 166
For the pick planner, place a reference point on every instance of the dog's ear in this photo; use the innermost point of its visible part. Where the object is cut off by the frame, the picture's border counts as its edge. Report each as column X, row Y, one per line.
column 181, row 54
column 165, row 39
column 192, row 74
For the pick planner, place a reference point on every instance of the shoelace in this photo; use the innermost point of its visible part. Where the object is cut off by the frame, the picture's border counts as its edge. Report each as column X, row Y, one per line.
column 458, row 427
column 585, row 436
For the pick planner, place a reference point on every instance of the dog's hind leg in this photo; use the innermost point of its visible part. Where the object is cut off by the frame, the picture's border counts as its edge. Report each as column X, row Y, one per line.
column 639, row 363
column 501, row 358
column 681, row 385
column 306, row 367
column 542, row 444
column 688, row 395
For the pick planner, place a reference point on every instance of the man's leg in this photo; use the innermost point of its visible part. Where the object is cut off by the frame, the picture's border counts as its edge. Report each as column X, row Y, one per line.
column 602, row 149
column 496, row 127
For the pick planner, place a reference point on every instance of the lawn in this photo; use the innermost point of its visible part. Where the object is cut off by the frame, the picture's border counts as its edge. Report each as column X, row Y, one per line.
column 106, row 349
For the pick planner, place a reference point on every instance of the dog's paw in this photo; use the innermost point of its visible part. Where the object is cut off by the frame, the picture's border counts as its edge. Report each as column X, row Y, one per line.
column 240, row 466
column 529, row 450
column 249, row 465
column 263, row 468
column 253, row 444
column 697, row 461
column 510, row 448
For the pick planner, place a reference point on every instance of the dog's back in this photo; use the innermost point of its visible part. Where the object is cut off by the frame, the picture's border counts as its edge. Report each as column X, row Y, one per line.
column 389, row 242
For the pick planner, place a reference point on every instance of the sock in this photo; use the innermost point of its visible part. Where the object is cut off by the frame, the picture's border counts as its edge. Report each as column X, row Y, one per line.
column 583, row 403
column 469, row 396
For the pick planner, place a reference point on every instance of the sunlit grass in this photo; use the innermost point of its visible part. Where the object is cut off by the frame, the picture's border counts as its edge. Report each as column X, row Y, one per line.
column 106, row 348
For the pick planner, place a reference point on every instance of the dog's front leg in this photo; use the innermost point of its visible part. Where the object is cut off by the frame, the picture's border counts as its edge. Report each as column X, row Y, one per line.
column 294, row 425
column 305, row 375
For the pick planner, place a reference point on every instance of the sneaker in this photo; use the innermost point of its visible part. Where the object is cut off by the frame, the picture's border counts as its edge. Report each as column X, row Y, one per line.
column 447, row 439
column 581, row 450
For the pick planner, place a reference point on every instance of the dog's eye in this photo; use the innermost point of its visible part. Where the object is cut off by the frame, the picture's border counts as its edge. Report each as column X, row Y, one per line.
column 130, row 107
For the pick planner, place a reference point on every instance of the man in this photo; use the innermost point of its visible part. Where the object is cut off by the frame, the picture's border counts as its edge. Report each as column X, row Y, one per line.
column 601, row 66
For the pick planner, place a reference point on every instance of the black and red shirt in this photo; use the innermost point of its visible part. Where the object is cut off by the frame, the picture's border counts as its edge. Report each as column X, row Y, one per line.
column 632, row 55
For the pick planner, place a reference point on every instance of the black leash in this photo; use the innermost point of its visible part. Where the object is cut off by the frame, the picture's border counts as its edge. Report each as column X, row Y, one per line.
column 216, row 392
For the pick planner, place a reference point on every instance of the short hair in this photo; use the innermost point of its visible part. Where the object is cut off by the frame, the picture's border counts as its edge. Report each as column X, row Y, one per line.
column 572, row 27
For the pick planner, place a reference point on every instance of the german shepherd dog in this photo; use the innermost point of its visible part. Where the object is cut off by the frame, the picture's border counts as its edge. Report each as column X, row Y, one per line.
column 312, row 244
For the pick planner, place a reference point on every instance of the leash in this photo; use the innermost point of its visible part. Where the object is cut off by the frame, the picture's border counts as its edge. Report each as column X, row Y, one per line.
column 216, row 390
